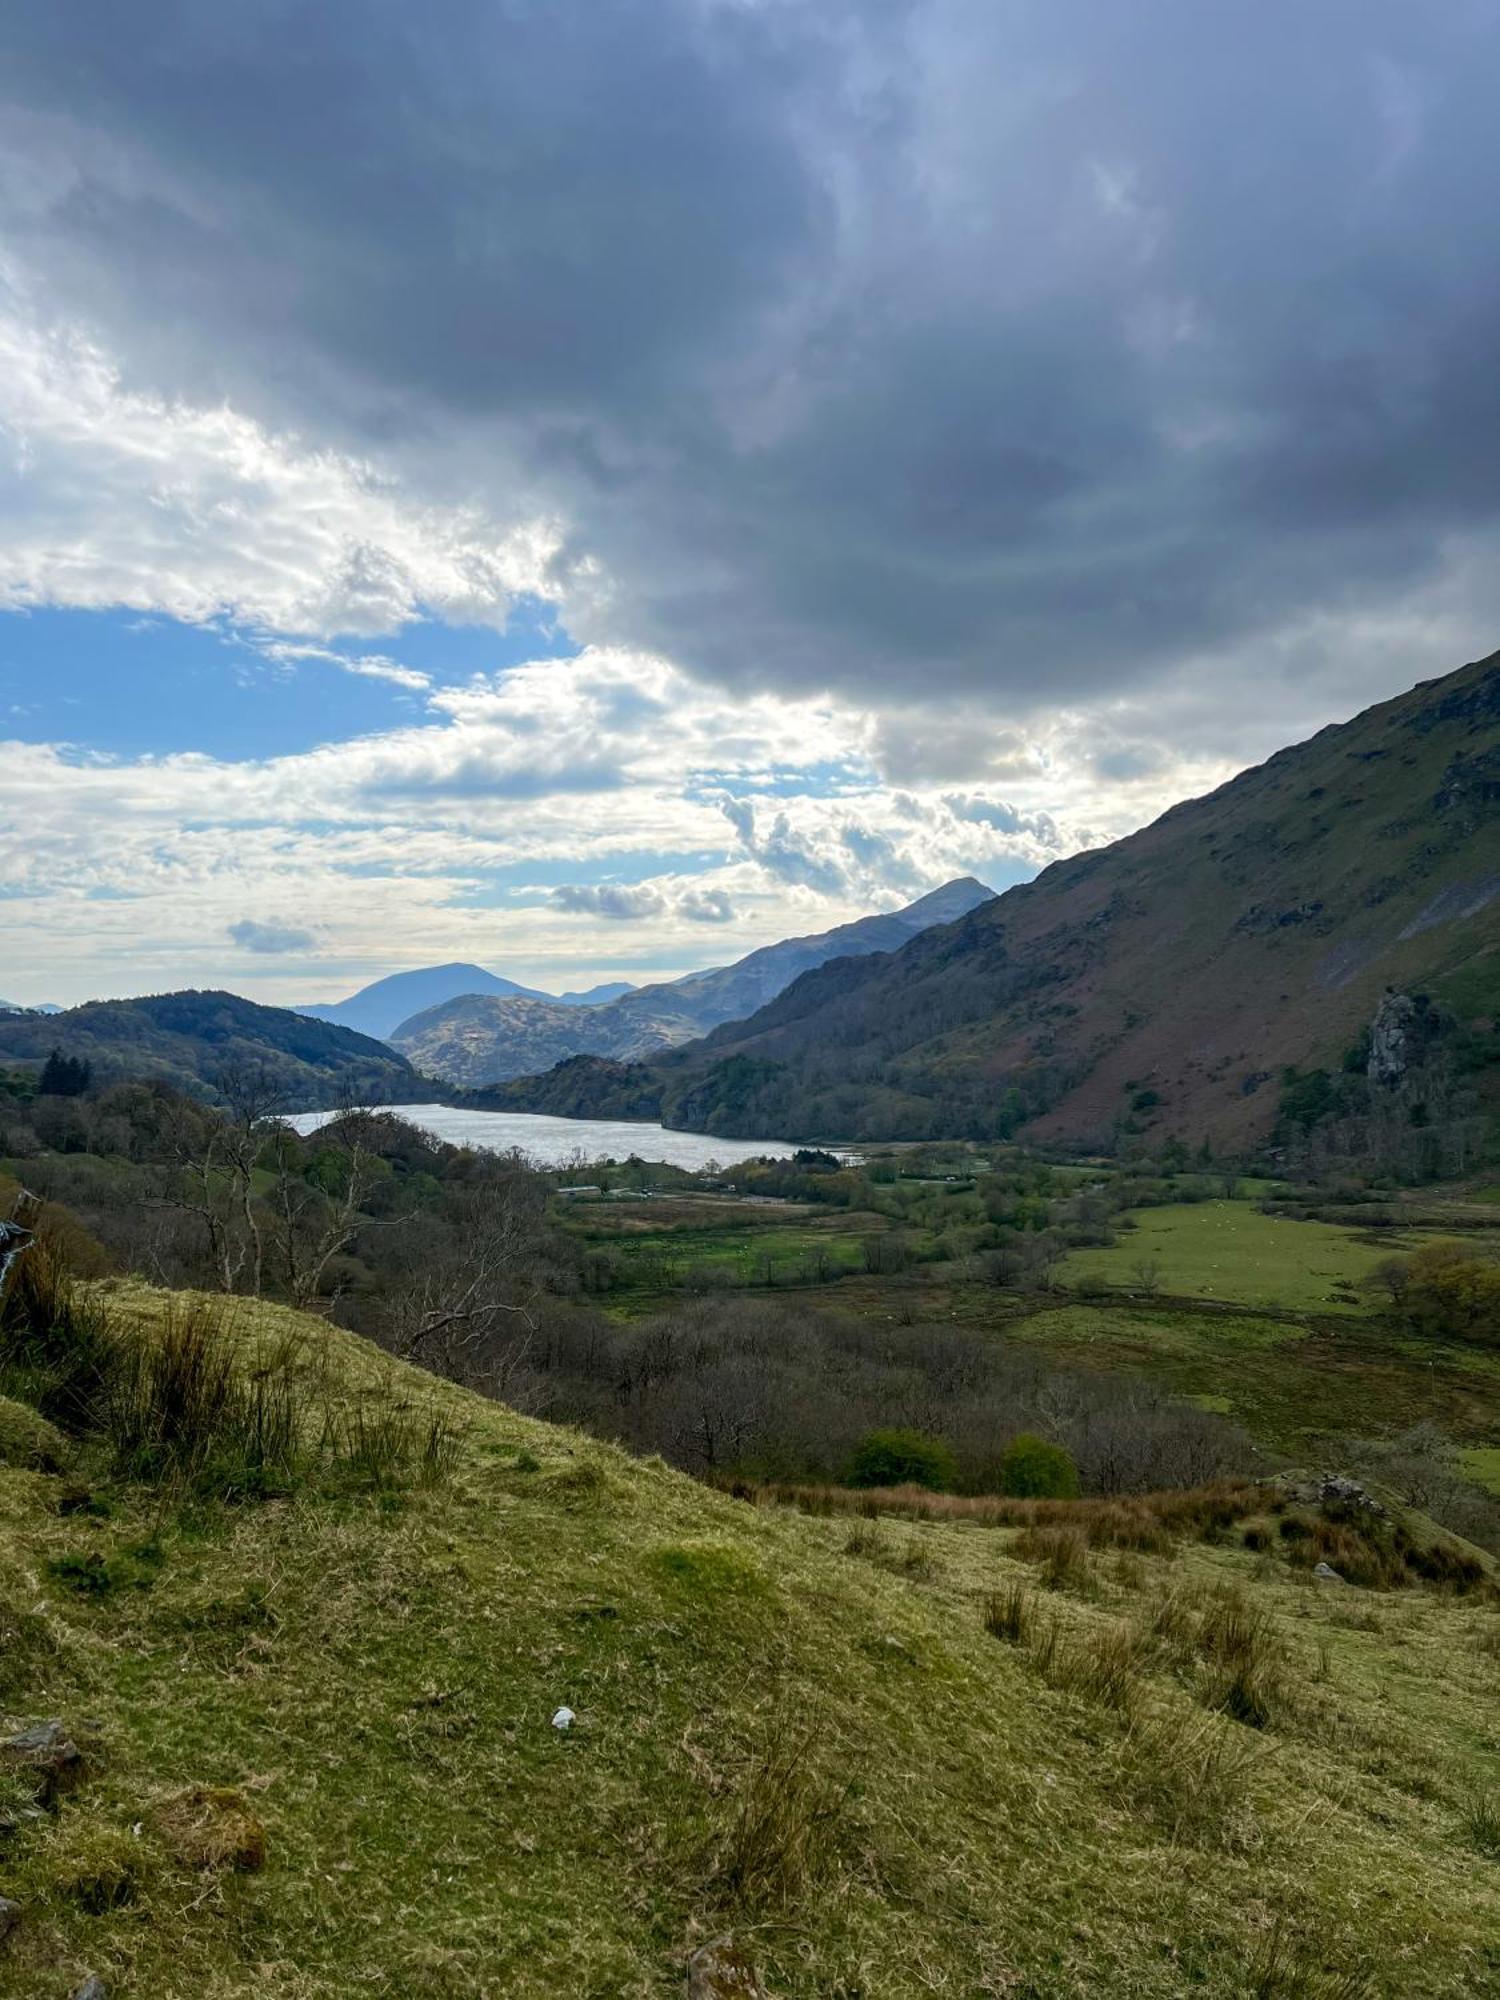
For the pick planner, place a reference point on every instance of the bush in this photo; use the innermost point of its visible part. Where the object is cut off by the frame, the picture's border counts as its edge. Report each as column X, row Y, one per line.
column 1033, row 1469
column 902, row 1458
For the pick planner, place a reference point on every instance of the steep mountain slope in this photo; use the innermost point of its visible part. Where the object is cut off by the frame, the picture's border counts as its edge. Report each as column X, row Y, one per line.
column 1164, row 983
column 191, row 1039
column 474, row 1041
column 315, row 1754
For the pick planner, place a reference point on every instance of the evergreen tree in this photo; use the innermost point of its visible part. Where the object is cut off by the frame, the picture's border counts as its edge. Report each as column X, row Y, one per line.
column 64, row 1076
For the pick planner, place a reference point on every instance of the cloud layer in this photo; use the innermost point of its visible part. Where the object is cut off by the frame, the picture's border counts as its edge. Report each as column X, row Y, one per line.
column 1034, row 347
column 955, row 429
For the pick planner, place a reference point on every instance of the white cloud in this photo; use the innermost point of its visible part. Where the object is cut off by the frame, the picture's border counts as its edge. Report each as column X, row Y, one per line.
column 443, row 839
column 113, row 497
column 366, row 666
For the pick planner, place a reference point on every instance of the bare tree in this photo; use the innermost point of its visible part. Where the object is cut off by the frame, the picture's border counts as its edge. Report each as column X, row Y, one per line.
column 468, row 1307
column 312, row 1224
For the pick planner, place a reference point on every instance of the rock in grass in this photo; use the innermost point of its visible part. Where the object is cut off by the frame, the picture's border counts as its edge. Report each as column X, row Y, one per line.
column 211, row 1827
column 93, row 1988
column 10, row 1916
column 48, row 1755
column 1326, row 1573
column 719, row 1970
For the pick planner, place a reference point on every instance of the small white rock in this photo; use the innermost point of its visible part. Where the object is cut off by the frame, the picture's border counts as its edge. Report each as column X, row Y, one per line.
column 563, row 1719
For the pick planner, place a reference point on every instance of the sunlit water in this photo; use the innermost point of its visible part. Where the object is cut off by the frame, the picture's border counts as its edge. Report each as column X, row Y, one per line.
column 558, row 1142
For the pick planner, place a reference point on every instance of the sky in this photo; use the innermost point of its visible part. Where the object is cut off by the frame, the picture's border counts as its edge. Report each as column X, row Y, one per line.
column 591, row 489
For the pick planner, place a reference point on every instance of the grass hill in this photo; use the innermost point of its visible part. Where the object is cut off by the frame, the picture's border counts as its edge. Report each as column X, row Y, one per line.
column 1163, row 986
column 191, row 1039
column 476, row 1040
column 310, row 1658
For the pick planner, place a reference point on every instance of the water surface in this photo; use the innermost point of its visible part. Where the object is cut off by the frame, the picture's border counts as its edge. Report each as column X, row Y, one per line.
column 562, row 1142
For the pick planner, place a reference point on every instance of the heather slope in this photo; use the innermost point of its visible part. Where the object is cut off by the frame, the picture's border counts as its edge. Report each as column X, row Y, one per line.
column 795, row 1730
column 1168, row 979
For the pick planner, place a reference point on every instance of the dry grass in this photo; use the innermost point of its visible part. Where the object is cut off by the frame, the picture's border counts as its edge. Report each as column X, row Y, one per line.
column 1061, row 1554
column 212, row 1827
column 1148, row 1522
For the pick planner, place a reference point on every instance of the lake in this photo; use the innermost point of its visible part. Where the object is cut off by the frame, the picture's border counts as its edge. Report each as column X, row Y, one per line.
column 559, row 1142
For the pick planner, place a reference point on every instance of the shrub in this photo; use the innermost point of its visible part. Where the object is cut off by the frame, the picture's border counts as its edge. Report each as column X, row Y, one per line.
column 898, row 1457
column 1034, row 1469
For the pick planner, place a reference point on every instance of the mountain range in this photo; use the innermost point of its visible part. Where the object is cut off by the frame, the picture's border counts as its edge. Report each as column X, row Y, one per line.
column 381, row 1008
column 1176, row 983
column 482, row 1037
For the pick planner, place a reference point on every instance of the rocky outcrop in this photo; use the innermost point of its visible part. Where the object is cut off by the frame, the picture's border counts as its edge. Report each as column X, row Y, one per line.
column 1401, row 1038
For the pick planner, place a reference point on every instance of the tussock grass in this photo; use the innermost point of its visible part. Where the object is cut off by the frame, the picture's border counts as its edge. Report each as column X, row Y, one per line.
column 1481, row 1822
column 1193, row 1779
column 1061, row 1554
column 1287, row 1967
column 1009, row 1614
column 781, row 1824
column 1245, row 1655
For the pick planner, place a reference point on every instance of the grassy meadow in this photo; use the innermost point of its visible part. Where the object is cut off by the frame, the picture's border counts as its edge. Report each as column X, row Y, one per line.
column 1232, row 1252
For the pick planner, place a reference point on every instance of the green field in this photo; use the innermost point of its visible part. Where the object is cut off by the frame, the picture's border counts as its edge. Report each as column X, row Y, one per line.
column 1229, row 1250
column 1293, row 1384
column 660, row 1261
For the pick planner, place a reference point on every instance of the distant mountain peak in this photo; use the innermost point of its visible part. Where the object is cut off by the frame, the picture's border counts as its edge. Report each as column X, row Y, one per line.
column 477, row 1039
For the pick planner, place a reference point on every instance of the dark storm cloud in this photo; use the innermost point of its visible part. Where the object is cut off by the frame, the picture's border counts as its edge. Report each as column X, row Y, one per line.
column 1010, row 347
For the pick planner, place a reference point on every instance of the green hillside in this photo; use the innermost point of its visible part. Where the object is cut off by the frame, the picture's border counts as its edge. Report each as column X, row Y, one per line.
column 1213, row 976
column 193, row 1040
column 314, row 1710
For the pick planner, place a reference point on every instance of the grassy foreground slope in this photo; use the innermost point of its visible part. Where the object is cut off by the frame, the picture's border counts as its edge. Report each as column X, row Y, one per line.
column 797, row 1734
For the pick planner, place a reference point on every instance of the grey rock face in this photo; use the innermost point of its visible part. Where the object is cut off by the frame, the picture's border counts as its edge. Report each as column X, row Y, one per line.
column 1392, row 1040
